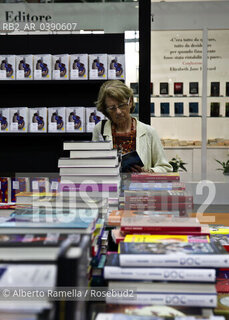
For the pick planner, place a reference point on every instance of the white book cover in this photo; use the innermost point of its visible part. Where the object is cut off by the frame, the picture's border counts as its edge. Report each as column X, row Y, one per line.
column 56, row 119
column 98, row 66
column 7, row 67
column 75, row 119
column 24, row 67
column 4, row 120
column 42, row 67
column 60, row 67
column 19, row 119
column 116, row 66
column 79, row 66
column 38, row 119
column 92, row 118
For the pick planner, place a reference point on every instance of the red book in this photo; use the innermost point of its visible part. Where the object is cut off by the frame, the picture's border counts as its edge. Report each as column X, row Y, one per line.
column 159, row 225
column 151, row 177
column 159, row 206
column 158, row 196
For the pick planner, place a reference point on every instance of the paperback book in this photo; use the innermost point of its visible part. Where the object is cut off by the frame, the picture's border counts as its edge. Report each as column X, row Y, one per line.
column 159, row 177
column 175, row 254
column 113, row 270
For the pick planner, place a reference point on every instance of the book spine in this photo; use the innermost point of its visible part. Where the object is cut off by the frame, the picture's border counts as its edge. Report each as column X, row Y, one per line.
column 159, row 199
column 99, row 187
column 175, row 299
column 174, row 260
column 159, row 206
column 159, row 229
column 168, row 274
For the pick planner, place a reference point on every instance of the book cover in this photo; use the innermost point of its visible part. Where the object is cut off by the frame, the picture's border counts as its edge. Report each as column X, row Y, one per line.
column 88, row 145
column 164, row 88
column 215, row 229
column 75, row 119
column 178, row 87
column 178, row 109
column 5, row 190
column 222, row 305
column 173, row 254
column 129, row 160
column 222, row 286
column 193, row 109
column 4, row 120
column 38, row 119
column 148, row 177
column 223, row 239
column 165, row 238
column 18, row 185
column 194, row 88
column 113, row 270
column 215, row 109
column 215, row 89
column 159, row 224
column 165, row 110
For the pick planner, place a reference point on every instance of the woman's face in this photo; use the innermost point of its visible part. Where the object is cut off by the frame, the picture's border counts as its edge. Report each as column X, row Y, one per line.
column 118, row 112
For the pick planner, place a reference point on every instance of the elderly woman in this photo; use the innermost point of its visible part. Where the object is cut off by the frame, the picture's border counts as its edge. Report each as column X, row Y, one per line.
column 115, row 101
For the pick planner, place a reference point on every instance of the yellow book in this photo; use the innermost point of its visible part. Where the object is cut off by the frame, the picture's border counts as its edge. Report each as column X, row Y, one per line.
column 219, row 230
column 161, row 238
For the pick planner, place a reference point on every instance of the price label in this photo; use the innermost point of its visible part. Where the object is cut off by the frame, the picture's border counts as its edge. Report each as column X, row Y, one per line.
column 70, row 126
column 74, row 74
column 52, row 126
column 38, row 74
column 112, row 74
column 56, row 74
column 2, row 74
column 94, row 73
column 14, row 126
column 33, row 126
column 20, row 74
column 15, row 184
column 35, row 185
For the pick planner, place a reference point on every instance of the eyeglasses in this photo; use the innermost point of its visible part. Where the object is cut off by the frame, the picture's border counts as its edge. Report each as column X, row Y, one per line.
column 121, row 106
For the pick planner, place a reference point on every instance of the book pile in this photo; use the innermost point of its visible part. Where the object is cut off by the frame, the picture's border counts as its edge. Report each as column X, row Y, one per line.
column 92, row 171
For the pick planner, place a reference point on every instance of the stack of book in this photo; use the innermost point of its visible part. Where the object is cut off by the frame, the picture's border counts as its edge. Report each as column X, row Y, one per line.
column 92, row 170
column 153, row 262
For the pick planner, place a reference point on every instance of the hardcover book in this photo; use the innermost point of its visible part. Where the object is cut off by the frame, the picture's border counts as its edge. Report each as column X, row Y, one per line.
column 161, row 196
column 151, row 177
column 194, row 88
column 129, row 160
column 159, row 224
column 79, row 66
column 90, row 171
column 87, row 154
column 164, row 88
column 215, row 86
column 88, row 145
column 183, row 207
column 158, row 186
column 75, row 119
column 87, row 163
column 4, row 120
column 178, row 87
column 162, row 293
column 42, row 65
column 113, row 270
column 7, row 67
column 173, row 254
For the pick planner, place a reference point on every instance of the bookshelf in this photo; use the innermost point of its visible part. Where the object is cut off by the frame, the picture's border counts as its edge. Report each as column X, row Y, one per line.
column 32, row 152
